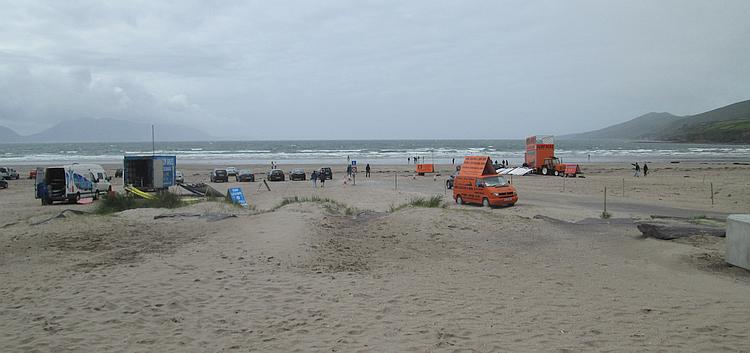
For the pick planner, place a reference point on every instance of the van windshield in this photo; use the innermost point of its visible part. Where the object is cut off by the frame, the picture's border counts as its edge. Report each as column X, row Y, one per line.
column 495, row 181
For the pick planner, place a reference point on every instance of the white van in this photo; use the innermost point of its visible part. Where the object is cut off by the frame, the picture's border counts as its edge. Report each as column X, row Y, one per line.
column 71, row 182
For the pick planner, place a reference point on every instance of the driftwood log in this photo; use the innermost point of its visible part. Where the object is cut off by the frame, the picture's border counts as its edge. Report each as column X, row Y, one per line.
column 671, row 231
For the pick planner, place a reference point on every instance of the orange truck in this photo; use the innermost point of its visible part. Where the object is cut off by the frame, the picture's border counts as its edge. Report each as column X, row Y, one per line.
column 478, row 183
column 540, row 156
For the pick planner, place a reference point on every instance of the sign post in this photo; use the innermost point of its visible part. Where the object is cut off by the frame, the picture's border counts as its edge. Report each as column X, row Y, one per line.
column 237, row 197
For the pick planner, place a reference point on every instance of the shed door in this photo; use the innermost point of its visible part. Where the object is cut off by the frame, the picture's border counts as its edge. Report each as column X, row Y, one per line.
column 158, row 173
column 39, row 180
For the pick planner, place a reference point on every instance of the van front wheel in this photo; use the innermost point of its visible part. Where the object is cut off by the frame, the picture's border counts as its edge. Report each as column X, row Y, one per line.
column 459, row 200
column 486, row 202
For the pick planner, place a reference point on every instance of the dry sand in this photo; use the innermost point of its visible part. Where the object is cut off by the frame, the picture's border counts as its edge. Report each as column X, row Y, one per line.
column 307, row 277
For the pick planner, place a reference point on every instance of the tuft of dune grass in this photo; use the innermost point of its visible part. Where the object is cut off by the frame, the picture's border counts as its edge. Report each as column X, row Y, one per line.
column 122, row 202
column 435, row 201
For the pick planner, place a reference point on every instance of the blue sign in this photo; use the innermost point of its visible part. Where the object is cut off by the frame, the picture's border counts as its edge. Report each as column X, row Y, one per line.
column 354, row 162
column 237, row 197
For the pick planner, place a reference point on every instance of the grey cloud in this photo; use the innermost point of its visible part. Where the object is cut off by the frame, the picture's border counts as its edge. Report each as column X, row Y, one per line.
column 371, row 69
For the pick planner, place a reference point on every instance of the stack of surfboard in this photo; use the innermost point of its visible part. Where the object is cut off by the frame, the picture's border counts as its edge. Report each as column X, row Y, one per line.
column 514, row 171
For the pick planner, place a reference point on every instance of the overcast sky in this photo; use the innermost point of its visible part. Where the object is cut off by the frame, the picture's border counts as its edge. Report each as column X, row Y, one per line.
column 370, row 69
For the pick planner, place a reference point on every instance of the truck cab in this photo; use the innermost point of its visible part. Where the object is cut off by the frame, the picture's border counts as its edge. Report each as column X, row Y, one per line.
column 478, row 183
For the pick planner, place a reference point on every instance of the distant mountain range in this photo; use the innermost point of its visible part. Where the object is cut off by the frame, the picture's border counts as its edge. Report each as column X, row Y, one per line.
column 101, row 130
column 729, row 124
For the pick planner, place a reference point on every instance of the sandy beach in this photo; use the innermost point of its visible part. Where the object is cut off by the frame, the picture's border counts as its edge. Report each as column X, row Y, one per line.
column 316, row 277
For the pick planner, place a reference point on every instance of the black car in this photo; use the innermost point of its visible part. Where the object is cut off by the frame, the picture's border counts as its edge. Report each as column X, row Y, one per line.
column 449, row 181
column 276, row 175
column 218, row 175
column 245, row 175
column 297, row 174
column 327, row 172
column 3, row 184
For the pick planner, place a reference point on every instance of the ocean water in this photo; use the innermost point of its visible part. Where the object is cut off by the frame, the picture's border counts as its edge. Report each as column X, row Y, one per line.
column 363, row 151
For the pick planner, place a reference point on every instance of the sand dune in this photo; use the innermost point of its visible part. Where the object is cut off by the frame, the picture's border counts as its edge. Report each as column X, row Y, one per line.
column 307, row 277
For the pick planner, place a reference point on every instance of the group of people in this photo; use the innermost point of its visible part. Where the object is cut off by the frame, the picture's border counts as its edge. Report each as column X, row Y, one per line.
column 637, row 169
column 415, row 159
column 318, row 176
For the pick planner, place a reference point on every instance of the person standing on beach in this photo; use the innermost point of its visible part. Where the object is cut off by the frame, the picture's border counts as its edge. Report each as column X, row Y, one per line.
column 408, row 160
column 322, row 178
column 367, row 170
column 645, row 169
column 453, row 161
column 349, row 171
column 314, row 178
column 637, row 170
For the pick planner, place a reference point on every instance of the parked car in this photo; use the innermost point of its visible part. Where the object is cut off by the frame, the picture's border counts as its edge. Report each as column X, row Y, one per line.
column 219, row 175
column 3, row 184
column 245, row 175
column 32, row 174
column 178, row 177
column 276, row 175
column 12, row 173
column 4, row 174
column 71, row 182
column 297, row 174
column 231, row 171
column 450, row 180
column 327, row 172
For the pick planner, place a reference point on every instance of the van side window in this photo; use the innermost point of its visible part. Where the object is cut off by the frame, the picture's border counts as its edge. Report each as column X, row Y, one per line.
column 479, row 183
column 100, row 175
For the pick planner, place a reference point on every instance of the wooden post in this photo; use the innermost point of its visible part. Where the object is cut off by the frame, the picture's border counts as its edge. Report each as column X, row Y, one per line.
column 712, row 194
column 605, row 199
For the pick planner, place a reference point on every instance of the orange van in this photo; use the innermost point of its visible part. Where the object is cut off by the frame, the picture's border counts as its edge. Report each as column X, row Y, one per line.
column 478, row 183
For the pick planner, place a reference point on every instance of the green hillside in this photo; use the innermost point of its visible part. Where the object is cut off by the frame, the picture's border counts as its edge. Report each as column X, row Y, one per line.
column 730, row 131
column 728, row 124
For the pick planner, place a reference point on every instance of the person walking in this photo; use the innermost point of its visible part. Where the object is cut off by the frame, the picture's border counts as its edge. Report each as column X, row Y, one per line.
column 637, row 170
column 645, row 169
column 367, row 170
column 322, row 178
column 314, row 178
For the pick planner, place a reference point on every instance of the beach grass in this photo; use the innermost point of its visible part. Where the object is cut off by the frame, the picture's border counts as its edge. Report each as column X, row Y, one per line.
column 435, row 201
column 121, row 202
column 330, row 205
